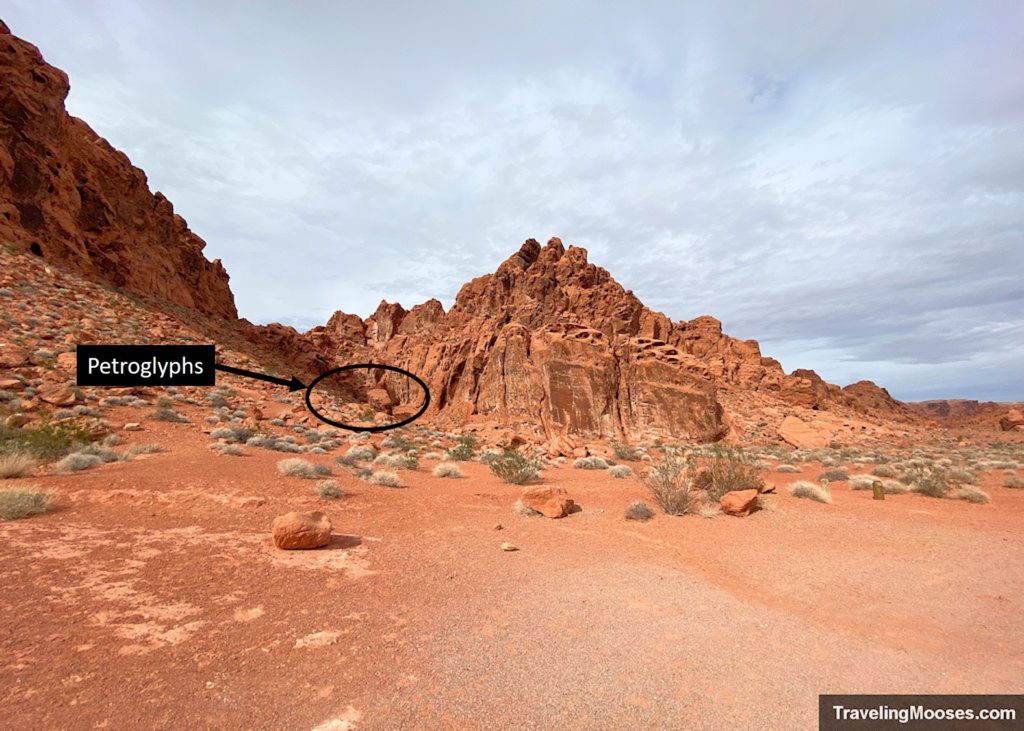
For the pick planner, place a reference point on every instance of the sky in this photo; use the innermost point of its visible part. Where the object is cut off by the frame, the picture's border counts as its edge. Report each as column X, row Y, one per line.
column 843, row 182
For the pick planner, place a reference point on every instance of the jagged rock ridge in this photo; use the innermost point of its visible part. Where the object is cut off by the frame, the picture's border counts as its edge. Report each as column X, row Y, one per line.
column 552, row 339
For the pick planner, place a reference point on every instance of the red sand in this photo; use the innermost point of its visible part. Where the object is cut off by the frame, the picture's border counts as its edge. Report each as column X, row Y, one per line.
column 154, row 598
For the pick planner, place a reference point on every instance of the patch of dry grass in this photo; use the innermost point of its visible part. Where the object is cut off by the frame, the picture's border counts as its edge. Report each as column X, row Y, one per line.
column 15, row 464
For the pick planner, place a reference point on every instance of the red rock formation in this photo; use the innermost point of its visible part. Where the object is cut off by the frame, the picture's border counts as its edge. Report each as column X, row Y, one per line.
column 547, row 339
column 68, row 196
column 551, row 339
column 869, row 398
column 969, row 413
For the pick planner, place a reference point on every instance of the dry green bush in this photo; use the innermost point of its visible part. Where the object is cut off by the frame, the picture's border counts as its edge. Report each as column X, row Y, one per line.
column 626, row 453
column 447, row 469
column 590, row 463
column 296, row 467
column 639, row 511
column 15, row 464
column 728, row 468
column 671, row 483
column 515, row 468
column 18, row 503
column 805, row 489
column 972, row 495
column 328, row 490
column 1014, row 481
column 387, row 479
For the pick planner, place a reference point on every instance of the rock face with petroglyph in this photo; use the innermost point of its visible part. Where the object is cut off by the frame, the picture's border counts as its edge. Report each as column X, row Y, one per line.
column 552, row 340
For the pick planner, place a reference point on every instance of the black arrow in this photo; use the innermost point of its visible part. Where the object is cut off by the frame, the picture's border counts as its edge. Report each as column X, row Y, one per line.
column 293, row 384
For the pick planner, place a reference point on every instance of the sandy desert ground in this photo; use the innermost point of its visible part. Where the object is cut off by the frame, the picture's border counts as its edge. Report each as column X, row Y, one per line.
column 153, row 597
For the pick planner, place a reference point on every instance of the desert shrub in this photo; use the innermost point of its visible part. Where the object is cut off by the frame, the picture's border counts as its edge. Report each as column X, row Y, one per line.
column 523, row 510
column 626, row 452
column 728, row 468
column 463, row 450
column 884, row 470
column 361, row 453
column 232, row 434
column 932, row 482
column 835, row 476
column 15, row 464
column 639, row 511
column 1014, row 481
column 19, row 503
column 963, row 476
column 432, row 455
column 105, row 455
column 230, row 450
column 488, row 456
column 328, row 490
column 787, row 468
column 296, row 467
column 111, row 440
column 803, row 488
column 166, row 413
column 387, row 479
column 216, row 400
column 709, row 510
column 398, row 460
column 971, row 495
column 515, row 468
column 590, row 463
column 447, row 469
column 77, row 462
column 894, row 487
column 671, row 482
column 862, row 482
column 400, row 442
column 620, row 471
column 47, row 441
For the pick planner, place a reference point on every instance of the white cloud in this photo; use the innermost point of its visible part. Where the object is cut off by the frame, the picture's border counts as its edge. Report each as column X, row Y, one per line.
column 845, row 185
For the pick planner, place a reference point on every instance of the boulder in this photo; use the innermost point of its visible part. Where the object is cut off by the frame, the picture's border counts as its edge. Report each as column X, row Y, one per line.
column 301, row 530
column 1013, row 419
column 12, row 357
column 16, row 421
column 58, row 395
column 551, row 502
column 803, row 434
column 739, row 502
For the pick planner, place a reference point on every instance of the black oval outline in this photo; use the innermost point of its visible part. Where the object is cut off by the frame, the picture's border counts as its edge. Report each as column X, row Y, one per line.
column 379, row 366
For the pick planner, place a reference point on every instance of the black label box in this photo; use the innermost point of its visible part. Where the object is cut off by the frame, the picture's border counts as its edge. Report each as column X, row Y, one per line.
column 145, row 365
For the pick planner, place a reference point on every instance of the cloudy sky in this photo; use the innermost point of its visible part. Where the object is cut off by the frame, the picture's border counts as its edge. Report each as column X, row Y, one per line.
column 846, row 186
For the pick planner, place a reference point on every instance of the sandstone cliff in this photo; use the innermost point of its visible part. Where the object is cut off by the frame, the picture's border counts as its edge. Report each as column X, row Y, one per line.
column 71, row 198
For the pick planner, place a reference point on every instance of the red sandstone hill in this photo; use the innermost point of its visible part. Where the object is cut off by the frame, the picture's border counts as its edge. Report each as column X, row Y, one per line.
column 69, row 196
column 970, row 413
column 552, row 340
column 549, row 342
